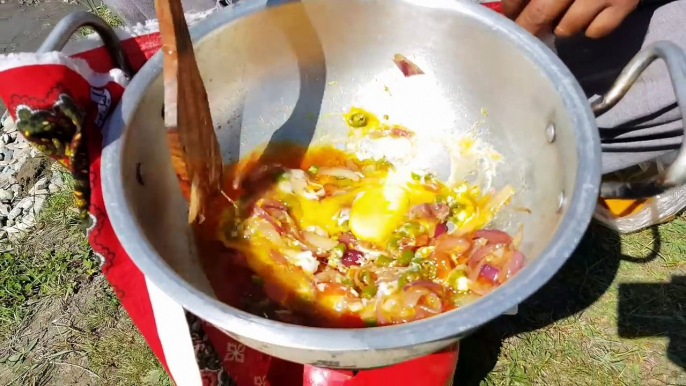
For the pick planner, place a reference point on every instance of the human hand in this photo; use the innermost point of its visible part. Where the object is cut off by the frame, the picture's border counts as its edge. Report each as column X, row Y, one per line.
column 568, row 17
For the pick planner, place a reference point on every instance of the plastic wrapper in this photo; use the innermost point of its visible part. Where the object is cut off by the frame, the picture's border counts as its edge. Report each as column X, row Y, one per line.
column 627, row 216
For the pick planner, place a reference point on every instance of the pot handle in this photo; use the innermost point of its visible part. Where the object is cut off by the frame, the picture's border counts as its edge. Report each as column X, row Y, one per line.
column 64, row 30
column 675, row 174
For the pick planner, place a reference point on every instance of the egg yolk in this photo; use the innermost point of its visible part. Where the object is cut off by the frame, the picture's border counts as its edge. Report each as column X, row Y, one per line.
column 377, row 212
column 324, row 213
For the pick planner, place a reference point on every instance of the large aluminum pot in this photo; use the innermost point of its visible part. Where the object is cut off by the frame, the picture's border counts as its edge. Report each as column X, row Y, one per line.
column 287, row 72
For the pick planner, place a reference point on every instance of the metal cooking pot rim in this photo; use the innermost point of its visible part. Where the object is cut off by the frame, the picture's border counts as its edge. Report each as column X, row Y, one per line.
column 581, row 203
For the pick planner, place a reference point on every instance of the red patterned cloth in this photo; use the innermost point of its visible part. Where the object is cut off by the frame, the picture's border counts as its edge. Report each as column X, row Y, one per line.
column 76, row 92
column 494, row 5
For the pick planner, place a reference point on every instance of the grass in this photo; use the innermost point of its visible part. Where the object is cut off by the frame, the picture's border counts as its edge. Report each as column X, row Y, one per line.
column 614, row 315
column 25, row 279
column 111, row 331
column 98, row 8
column 50, row 263
column 60, row 323
column 59, row 207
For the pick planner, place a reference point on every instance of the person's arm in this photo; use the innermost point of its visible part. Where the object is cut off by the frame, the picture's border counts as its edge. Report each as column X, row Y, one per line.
column 569, row 17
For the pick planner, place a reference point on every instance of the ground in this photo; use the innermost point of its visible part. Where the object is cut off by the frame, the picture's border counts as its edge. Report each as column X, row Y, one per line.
column 615, row 313
column 60, row 324
column 59, row 321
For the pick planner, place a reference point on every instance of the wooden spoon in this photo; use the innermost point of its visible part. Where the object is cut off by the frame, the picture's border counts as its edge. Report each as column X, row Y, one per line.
column 191, row 138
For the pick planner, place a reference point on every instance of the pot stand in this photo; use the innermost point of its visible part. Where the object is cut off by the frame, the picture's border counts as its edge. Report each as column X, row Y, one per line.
column 435, row 369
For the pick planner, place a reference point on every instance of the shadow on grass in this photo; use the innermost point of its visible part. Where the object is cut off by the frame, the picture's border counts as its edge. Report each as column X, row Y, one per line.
column 640, row 315
column 589, row 272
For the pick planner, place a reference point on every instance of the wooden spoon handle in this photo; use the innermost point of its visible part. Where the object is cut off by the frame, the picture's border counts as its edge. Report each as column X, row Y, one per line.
column 193, row 143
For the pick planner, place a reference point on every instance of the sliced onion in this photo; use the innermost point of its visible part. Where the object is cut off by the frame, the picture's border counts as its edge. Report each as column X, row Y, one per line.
column 278, row 257
column 406, row 243
column 352, row 257
column 516, row 263
column 318, row 241
column 398, row 131
column 431, row 211
column 499, row 257
column 420, row 211
column 421, row 240
column 298, row 173
column 434, row 305
column 517, row 239
column 468, row 298
column 347, row 238
column 500, row 199
column 269, row 203
column 291, row 227
column 314, row 191
column 441, row 229
column 356, row 273
column 473, row 272
column 298, row 181
column 480, row 254
column 523, row 209
column 314, row 196
column 327, row 276
column 268, row 231
column 265, row 216
column 489, row 273
column 387, row 274
column 317, row 230
column 479, row 288
column 368, row 250
column 453, row 244
column 380, row 314
column 339, row 172
column 406, row 66
column 286, row 187
column 428, row 284
column 440, row 211
column 369, row 169
column 343, row 216
column 412, row 295
column 338, row 192
column 493, row 236
column 351, row 165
